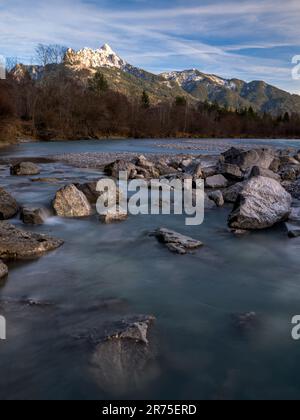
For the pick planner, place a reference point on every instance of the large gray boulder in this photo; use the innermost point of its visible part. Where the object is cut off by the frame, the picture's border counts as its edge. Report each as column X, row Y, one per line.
column 246, row 159
column 262, row 203
column 71, row 202
column 25, row 169
column 8, row 205
column 19, row 244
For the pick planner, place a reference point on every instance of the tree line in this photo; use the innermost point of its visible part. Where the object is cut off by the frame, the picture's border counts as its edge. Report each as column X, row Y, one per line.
column 61, row 106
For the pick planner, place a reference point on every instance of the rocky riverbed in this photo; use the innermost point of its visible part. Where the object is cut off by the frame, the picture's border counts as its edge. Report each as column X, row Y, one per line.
column 50, row 215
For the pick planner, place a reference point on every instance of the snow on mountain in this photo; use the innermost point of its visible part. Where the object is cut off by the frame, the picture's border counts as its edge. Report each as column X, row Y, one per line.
column 89, row 58
column 186, row 78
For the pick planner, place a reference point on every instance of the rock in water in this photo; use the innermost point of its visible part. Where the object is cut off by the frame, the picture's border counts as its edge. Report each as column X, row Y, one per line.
column 19, row 244
column 217, row 197
column 33, row 216
column 8, row 205
column 176, row 242
column 25, row 169
column 89, row 189
column 70, row 202
column 114, row 216
column 3, row 270
column 125, row 360
column 216, row 181
column 262, row 203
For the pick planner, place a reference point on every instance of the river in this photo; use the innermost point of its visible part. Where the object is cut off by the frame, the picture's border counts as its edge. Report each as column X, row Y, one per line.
column 106, row 272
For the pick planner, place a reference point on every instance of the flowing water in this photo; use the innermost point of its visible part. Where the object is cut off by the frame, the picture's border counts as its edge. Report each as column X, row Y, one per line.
column 106, row 272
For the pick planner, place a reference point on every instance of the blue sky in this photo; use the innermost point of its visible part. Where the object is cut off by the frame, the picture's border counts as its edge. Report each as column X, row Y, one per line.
column 250, row 40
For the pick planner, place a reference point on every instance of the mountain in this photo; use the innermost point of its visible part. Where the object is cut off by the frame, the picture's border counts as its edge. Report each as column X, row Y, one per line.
column 191, row 84
column 234, row 93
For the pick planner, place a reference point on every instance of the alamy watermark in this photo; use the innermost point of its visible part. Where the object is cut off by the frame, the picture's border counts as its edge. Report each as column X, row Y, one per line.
column 153, row 197
column 2, row 328
column 2, row 67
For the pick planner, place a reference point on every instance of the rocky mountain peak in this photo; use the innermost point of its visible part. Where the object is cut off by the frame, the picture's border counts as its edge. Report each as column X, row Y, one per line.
column 89, row 58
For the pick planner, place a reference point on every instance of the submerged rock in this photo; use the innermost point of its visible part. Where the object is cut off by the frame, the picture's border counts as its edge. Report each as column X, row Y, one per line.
column 25, row 169
column 33, row 215
column 71, row 202
column 3, row 270
column 245, row 322
column 261, row 204
column 19, row 244
column 176, row 242
column 126, row 359
column 8, row 205
column 293, row 230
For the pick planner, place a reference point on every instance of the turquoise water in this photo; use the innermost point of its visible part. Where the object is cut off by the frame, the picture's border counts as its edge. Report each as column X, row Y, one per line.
column 104, row 273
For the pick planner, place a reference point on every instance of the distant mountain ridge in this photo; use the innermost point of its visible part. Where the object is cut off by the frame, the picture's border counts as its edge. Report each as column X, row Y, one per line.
column 192, row 84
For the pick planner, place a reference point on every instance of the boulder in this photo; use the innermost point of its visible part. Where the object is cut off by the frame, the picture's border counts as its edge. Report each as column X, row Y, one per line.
column 208, row 203
column 262, row 203
column 267, row 173
column 246, row 159
column 231, row 171
column 176, row 242
column 114, row 216
column 288, row 160
column 3, row 270
column 217, row 197
column 275, row 165
column 216, row 181
column 231, row 194
column 289, row 173
column 89, row 189
column 34, row 215
column 25, row 169
column 19, row 244
column 209, row 171
column 71, row 202
column 8, row 205
column 114, row 168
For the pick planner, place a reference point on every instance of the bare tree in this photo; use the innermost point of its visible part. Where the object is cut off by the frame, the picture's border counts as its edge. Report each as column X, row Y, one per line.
column 50, row 54
column 11, row 63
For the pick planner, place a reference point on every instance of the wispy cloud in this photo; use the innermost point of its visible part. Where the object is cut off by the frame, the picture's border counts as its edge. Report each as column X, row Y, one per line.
column 251, row 40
